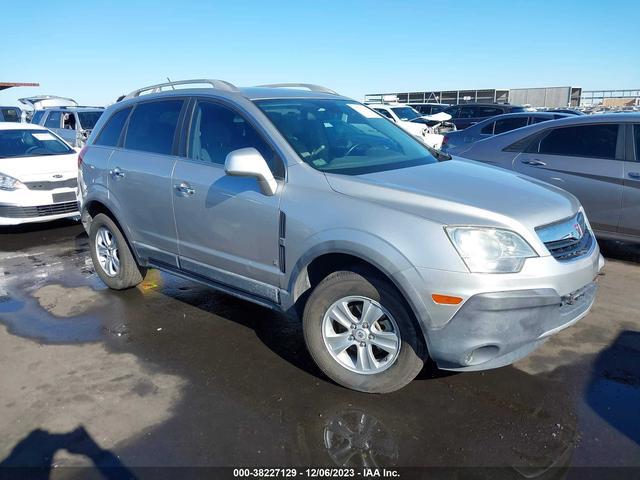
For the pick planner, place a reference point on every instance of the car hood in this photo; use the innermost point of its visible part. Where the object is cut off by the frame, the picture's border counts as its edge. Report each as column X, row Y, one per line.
column 465, row 192
column 438, row 117
column 28, row 169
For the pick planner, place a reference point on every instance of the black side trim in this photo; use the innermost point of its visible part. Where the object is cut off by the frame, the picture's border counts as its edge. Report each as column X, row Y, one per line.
column 213, row 284
column 282, row 242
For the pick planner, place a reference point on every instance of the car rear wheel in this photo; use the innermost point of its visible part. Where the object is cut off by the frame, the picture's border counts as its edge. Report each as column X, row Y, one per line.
column 361, row 333
column 112, row 259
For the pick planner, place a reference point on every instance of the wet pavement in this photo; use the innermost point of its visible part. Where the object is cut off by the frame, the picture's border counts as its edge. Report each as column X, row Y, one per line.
column 174, row 374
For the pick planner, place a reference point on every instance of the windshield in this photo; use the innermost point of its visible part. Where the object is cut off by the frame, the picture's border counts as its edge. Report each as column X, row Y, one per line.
column 31, row 143
column 406, row 113
column 340, row 136
column 88, row 120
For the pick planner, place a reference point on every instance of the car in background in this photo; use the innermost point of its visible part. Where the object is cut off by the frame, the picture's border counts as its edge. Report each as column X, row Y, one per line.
column 455, row 143
column 410, row 120
column 466, row 114
column 73, row 124
column 596, row 158
column 311, row 203
column 38, row 175
column 428, row 108
column 10, row 114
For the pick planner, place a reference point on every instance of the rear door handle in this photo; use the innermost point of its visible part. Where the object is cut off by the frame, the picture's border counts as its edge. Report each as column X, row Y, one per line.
column 534, row 163
column 634, row 175
column 117, row 172
column 184, row 189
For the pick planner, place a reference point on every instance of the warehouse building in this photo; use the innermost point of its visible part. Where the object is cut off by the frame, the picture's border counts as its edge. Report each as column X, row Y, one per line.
column 536, row 97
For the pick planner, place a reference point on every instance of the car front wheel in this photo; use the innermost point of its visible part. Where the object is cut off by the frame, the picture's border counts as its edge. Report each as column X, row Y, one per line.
column 361, row 334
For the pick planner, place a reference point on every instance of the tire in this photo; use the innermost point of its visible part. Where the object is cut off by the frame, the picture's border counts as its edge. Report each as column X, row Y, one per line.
column 355, row 289
column 128, row 273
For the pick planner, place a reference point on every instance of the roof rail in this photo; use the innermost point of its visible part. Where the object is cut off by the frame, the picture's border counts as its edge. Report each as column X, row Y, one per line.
column 308, row 86
column 217, row 84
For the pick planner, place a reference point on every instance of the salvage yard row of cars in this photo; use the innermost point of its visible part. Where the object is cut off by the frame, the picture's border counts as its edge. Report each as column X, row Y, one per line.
column 345, row 216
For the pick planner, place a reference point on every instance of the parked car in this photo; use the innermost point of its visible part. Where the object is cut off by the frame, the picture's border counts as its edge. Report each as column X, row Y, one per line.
column 457, row 142
column 429, row 108
column 466, row 114
column 310, row 203
column 38, row 175
column 409, row 120
column 73, row 124
column 597, row 158
column 10, row 114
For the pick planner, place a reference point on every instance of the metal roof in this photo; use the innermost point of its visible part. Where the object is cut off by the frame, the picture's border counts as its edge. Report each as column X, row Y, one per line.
column 5, row 85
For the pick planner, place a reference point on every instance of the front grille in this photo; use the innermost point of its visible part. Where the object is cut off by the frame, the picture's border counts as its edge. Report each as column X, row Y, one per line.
column 568, row 239
column 69, row 183
column 38, row 211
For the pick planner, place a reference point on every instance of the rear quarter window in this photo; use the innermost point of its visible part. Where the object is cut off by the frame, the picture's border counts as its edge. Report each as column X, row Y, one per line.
column 110, row 134
column 508, row 124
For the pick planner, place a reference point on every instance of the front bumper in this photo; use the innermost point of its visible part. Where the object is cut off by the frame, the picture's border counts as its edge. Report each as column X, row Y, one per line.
column 30, row 206
column 507, row 316
column 496, row 329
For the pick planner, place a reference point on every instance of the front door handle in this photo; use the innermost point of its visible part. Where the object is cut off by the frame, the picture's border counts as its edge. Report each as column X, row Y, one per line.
column 634, row 175
column 117, row 172
column 184, row 189
column 534, row 163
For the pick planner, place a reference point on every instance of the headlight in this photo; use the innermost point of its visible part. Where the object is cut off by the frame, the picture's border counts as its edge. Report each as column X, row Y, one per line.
column 9, row 183
column 490, row 250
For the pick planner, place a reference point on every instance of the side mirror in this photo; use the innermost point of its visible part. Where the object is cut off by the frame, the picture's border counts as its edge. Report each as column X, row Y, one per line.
column 248, row 162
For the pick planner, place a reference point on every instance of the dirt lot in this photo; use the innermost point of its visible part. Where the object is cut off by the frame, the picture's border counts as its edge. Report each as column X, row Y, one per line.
column 173, row 374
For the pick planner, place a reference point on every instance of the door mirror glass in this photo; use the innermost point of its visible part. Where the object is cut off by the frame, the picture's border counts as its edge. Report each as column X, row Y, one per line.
column 249, row 162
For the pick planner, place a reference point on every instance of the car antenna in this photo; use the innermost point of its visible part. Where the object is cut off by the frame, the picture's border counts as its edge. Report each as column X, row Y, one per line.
column 169, row 80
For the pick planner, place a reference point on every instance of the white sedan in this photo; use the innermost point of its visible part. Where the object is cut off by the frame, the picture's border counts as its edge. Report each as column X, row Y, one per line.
column 38, row 175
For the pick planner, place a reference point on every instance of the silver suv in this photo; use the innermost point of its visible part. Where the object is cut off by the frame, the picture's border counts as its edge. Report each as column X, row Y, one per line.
column 311, row 203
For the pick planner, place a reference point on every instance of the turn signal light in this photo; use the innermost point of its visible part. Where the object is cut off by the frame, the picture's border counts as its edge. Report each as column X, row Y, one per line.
column 445, row 299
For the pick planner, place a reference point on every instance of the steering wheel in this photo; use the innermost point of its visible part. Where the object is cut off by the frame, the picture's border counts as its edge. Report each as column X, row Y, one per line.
column 31, row 149
column 355, row 147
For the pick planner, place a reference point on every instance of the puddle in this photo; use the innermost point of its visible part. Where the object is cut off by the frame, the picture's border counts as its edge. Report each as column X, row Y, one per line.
column 68, row 302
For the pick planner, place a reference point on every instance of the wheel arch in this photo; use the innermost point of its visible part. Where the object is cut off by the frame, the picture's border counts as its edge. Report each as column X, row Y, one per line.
column 325, row 258
column 93, row 207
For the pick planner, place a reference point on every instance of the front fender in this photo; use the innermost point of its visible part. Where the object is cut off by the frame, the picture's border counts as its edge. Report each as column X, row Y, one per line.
column 366, row 247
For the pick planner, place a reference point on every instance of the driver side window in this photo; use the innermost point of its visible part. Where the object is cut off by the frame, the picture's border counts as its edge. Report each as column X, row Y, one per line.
column 217, row 130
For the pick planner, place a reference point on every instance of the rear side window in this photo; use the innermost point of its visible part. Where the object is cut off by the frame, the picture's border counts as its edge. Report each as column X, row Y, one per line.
column 53, row 120
column 598, row 141
column 153, row 125
column 37, row 116
column 88, row 120
column 217, row 130
column 508, row 124
column 636, row 134
column 466, row 112
column 110, row 133
column 486, row 111
column 488, row 129
column 541, row 119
